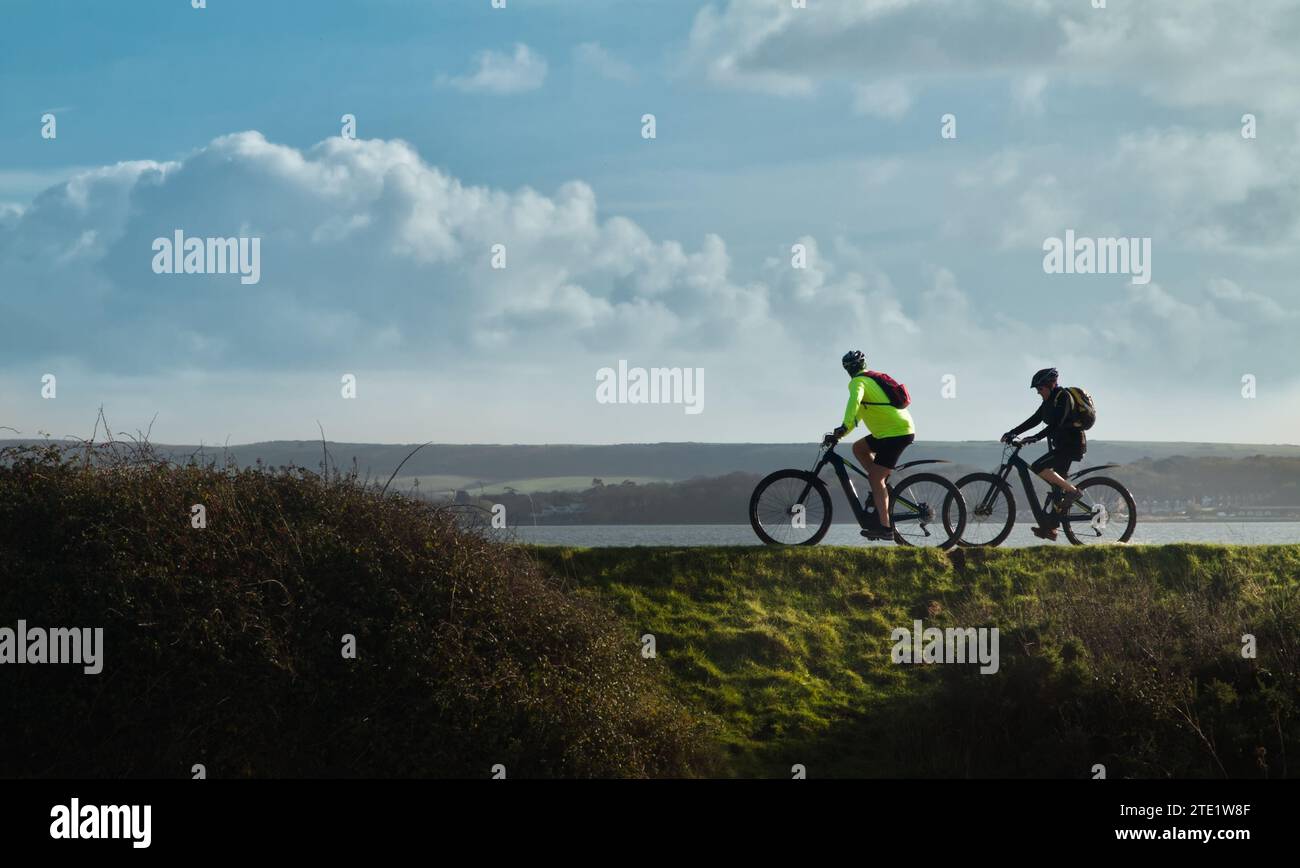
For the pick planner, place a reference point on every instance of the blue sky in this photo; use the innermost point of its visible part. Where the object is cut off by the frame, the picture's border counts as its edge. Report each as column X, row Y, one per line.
column 775, row 126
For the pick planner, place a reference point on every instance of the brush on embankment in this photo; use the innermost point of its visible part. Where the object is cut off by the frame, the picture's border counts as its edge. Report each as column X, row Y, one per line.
column 224, row 645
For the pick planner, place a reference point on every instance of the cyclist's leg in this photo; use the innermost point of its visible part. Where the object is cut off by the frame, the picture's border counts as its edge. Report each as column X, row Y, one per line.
column 1058, row 478
column 865, row 451
column 1070, row 492
column 886, row 452
column 1053, row 467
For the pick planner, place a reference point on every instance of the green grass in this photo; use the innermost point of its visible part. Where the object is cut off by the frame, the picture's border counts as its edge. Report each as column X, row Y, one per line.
column 1128, row 657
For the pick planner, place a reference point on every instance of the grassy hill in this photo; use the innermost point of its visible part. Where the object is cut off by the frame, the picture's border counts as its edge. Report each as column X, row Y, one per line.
column 223, row 645
column 1128, row 657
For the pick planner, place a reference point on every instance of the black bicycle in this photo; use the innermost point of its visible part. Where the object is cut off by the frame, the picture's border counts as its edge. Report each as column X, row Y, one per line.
column 1105, row 514
column 793, row 507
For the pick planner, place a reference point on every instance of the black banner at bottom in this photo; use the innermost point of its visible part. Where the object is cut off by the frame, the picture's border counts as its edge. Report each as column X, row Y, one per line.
column 339, row 817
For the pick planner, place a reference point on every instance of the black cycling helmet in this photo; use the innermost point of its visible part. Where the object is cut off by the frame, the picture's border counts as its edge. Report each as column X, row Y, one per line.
column 854, row 361
column 1043, row 377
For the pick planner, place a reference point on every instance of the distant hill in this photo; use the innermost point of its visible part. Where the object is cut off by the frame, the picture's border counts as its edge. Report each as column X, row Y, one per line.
column 1180, row 488
column 459, row 466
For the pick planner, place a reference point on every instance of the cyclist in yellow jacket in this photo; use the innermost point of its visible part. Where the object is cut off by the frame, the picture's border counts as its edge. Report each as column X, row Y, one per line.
column 891, row 430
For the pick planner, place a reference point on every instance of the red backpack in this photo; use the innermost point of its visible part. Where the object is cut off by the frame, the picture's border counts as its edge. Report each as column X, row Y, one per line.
column 895, row 391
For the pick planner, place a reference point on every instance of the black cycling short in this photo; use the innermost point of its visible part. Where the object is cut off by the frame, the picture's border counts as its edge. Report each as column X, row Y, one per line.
column 1058, row 461
column 886, row 450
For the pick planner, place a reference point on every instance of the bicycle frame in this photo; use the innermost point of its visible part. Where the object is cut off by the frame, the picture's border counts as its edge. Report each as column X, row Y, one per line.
column 1027, row 480
column 842, row 467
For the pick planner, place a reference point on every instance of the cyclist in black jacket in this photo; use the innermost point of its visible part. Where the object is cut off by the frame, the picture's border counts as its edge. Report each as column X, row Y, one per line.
column 1065, row 444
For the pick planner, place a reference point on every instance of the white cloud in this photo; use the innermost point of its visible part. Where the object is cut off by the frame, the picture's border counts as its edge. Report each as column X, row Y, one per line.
column 594, row 56
column 1210, row 191
column 997, row 170
column 364, row 247
column 9, row 213
column 1043, row 209
column 26, row 183
column 879, row 172
column 1177, row 52
column 767, row 45
column 1028, row 92
column 500, row 73
column 374, row 260
column 890, row 99
column 1260, row 306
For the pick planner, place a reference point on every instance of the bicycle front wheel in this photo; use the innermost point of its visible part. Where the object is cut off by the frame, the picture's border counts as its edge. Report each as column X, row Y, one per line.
column 1105, row 514
column 790, row 508
column 927, row 511
column 990, row 509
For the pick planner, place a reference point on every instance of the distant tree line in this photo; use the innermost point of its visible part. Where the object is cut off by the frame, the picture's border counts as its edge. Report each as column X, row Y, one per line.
column 1196, row 487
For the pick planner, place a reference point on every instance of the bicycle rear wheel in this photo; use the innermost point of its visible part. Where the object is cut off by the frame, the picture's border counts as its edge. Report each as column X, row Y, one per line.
column 927, row 511
column 990, row 509
column 1105, row 514
column 790, row 508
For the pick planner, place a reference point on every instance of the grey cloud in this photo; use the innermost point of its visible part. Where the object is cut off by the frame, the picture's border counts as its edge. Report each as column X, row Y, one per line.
column 1179, row 52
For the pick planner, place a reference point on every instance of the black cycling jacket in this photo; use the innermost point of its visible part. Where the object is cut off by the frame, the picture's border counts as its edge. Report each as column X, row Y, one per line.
column 1054, row 412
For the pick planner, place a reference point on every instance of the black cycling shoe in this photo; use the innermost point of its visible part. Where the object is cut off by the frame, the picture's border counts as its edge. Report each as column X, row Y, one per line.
column 876, row 530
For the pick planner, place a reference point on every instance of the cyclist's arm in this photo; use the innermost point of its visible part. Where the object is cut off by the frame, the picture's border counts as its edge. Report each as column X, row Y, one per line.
column 1033, row 420
column 857, row 391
